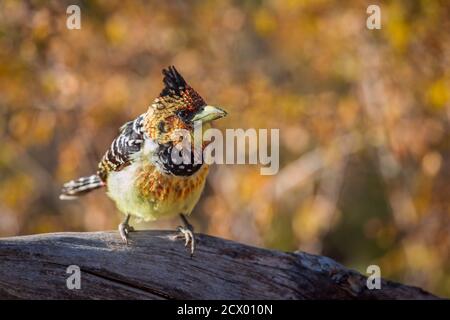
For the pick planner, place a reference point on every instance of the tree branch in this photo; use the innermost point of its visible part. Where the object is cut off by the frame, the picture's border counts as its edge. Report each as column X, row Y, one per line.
column 156, row 266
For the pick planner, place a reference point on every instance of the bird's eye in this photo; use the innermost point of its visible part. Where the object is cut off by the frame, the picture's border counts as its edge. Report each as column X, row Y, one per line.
column 184, row 115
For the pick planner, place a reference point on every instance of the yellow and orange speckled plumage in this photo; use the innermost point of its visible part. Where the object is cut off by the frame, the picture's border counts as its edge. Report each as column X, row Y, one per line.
column 151, row 183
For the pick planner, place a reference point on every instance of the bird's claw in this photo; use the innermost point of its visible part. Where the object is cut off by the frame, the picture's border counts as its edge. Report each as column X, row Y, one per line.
column 124, row 230
column 188, row 235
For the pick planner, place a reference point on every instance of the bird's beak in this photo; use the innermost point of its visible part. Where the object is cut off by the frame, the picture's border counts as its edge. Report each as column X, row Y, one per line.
column 209, row 113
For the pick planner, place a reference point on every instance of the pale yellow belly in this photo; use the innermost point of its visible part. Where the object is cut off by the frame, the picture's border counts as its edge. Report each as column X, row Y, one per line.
column 148, row 194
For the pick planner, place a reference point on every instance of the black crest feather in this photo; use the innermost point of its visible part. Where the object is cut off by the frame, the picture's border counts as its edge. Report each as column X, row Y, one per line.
column 173, row 82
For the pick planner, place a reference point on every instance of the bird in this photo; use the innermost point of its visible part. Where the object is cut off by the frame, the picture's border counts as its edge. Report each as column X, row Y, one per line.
column 139, row 170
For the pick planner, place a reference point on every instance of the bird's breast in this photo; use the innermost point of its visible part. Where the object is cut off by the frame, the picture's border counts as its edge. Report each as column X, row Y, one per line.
column 145, row 190
column 154, row 184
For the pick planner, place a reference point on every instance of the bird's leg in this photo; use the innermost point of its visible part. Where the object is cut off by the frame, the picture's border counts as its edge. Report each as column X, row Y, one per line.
column 125, row 229
column 187, row 231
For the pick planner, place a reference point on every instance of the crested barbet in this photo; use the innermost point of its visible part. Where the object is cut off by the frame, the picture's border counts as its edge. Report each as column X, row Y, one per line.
column 139, row 170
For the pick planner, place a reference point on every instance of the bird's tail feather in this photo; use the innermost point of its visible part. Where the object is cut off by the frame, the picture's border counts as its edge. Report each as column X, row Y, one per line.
column 72, row 189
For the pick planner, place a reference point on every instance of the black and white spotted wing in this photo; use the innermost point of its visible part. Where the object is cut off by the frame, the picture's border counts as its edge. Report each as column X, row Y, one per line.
column 129, row 141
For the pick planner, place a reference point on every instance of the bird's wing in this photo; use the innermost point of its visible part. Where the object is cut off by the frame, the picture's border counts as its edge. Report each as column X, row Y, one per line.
column 128, row 142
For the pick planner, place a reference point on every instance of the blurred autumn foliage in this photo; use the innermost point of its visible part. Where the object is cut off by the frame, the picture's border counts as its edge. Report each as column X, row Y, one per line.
column 363, row 117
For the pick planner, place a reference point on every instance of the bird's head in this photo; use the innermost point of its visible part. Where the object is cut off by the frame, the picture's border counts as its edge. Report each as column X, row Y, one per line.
column 178, row 106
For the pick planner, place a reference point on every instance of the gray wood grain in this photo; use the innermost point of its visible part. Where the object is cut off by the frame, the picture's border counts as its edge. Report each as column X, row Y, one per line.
column 154, row 265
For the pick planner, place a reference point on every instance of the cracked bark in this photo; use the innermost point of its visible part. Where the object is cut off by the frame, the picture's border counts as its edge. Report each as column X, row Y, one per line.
column 155, row 266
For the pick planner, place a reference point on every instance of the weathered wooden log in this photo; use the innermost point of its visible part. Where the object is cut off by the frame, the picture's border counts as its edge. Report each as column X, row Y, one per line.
column 154, row 265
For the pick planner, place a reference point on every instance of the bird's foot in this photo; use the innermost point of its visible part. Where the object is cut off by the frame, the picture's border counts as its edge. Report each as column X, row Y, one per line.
column 125, row 229
column 188, row 236
column 187, row 232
